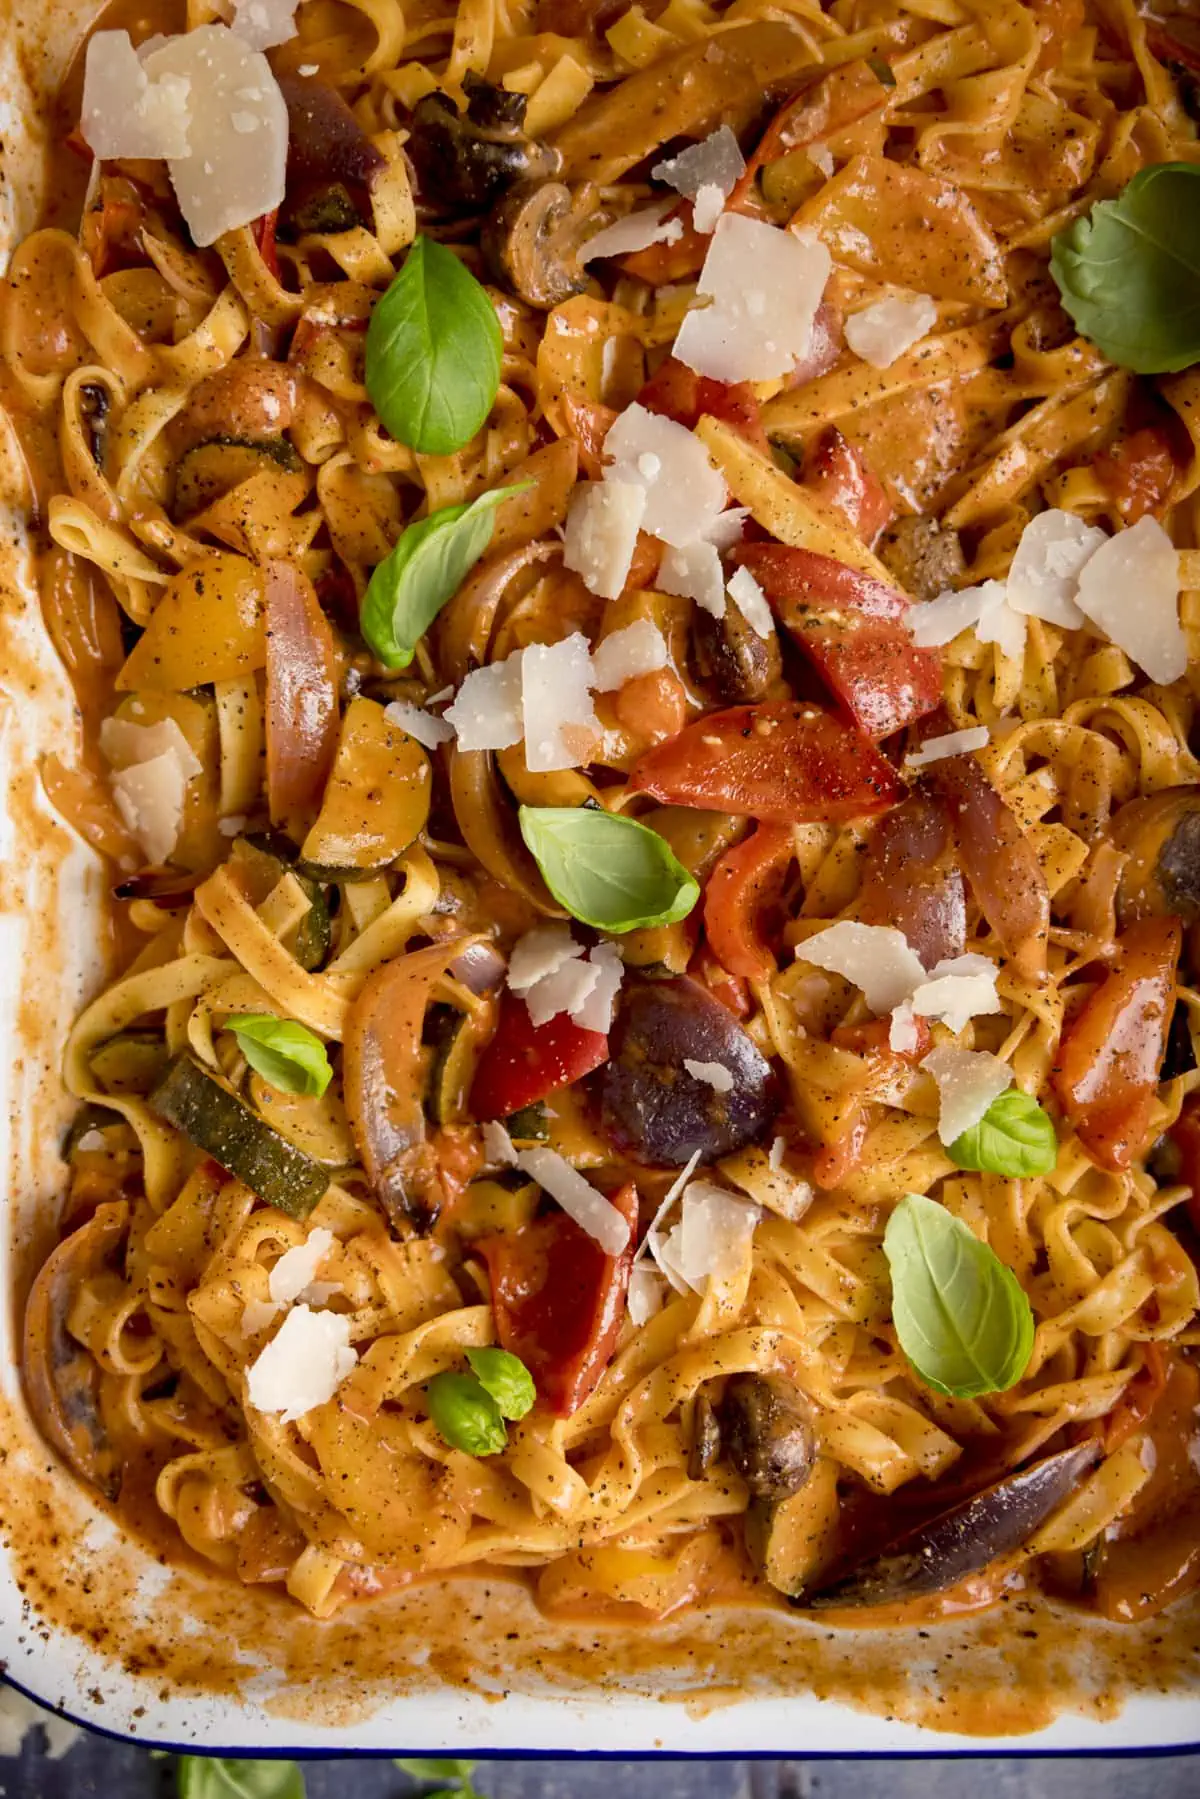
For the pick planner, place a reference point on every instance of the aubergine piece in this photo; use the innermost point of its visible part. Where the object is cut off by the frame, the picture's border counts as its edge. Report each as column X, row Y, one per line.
column 325, row 141
column 963, row 1540
column 651, row 1108
column 1160, row 834
column 62, row 1381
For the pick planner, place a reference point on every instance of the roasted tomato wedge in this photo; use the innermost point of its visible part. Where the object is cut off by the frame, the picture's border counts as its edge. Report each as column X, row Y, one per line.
column 1138, row 473
column 786, row 763
column 854, row 629
column 747, row 880
column 840, row 476
column 558, row 1301
column 679, row 393
column 1111, row 1052
column 525, row 1062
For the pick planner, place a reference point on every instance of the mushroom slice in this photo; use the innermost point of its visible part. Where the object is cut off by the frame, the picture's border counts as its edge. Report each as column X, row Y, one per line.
column 767, row 1430
column 740, row 665
column 531, row 243
column 961, row 1541
column 62, row 1380
column 464, row 161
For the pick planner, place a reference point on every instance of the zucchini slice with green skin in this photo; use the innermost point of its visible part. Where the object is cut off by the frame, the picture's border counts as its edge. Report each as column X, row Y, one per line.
column 530, row 1125
column 264, row 856
column 223, row 1126
column 210, row 469
column 130, row 1062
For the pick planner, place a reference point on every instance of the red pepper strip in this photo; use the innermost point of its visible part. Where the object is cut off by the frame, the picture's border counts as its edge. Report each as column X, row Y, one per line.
column 998, row 860
column 785, row 762
column 910, row 879
column 680, row 261
column 745, row 882
column 1138, row 1400
column 679, row 393
column 559, row 1301
column 872, row 1040
column 834, row 1161
column 1138, row 473
column 1108, row 1062
column 854, row 630
column 525, row 1062
column 844, row 481
column 726, row 987
column 263, row 230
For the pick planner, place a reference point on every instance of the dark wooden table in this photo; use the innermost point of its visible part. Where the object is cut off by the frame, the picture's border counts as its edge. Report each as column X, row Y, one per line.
column 114, row 1771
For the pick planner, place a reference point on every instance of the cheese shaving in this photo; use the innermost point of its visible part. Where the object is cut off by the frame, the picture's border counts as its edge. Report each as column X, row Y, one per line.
column 695, row 573
column 539, row 953
column 498, row 1146
column 882, row 332
column 1044, row 575
column 647, row 1292
column 424, row 727
column 637, row 231
column 903, row 1035
column 968, row 1080
column 264, row 23
column 152, row 767
column 601, row 532
column 577, row 1197
column 708, row 207
column 1130, row 589
column 953, row 743
column 561, row 729
column 124, row 113
column 876, row 958
column 957, row 991
column 715, row 162
column 636, row 649
column 751, row 602
column 596, row 1011
column 487, row 714
column 303, row 1365
column 763, row 286
column 685, row 494
column 712, row 1074
column 298, row 1267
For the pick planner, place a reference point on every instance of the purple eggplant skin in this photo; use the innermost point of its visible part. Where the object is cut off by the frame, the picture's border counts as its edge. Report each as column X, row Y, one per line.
column 651, row 1108
column 962, row 1540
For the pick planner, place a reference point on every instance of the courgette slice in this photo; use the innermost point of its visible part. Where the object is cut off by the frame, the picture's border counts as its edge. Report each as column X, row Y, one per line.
column 325, row 212
column 223, row 1126
column 530, row 1125
column 209, row 470
column 262, row 861
column 90, row 1117
column 130, row 1062
column 457, row 1039
column 489, row 1208
column 376, row 802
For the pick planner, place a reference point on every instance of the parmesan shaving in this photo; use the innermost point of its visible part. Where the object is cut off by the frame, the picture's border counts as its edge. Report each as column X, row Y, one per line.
column 486, row 715
column 123, row 113
column 954, row 743
column 264, row 23
column 647, row 1292
column 596, row 1011
column 498, row 1146
column 424, row 727
column 577, row 1197
column 637, row 649
column 763, row 286
column 561, row 729
column 882, row 332
column 303, row 1365
column 932, row 623
column 957, row 991
column 708, row 207
column 876, row 958
column 903, row 1035
column 695, row 573
column 968, row 1080
column 637, row 231
column 1130, row 589
column 715, row 162
column 685, row 494
column 539, row 953
column 1044, row 575
column 153, row 765
column 712, row 1074
column 297, row 1268
column 751, row 602
column 601, row 532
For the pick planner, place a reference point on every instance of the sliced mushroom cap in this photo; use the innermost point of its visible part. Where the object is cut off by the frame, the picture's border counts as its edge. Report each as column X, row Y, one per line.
column 925, row 557
column 768, row 1433
column 62, row 1380
column 704, row 1450
column 531, row 243
column 1161, row 836
column 651, row 1107
column 961, row 1541
column 739, row 664
column 464, row 161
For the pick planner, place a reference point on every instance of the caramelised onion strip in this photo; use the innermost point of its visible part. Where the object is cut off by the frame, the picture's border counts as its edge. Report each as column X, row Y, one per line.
column 911, row 880
column 302, row 708
column 998, row 860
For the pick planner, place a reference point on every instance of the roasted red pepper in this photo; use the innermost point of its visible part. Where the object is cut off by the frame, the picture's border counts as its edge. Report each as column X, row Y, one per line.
column 679, row 393
column 525, row 1062
column 559, row 1301
column 840, row 476
column 747, row 880
column 785, row 763
column 1138, row 473
column 1111, row 1052
column 854, row 629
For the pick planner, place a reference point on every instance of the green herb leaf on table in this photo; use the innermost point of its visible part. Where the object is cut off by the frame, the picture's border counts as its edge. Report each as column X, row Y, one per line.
column 428, row 565
column 465, row 1414
column 226, row 1777
column 607, row 870
column 962, row 1318
column 433, row 354
column 1014, row 1137
column 506, row 1378
column 1129, row 271
column 286, row 1054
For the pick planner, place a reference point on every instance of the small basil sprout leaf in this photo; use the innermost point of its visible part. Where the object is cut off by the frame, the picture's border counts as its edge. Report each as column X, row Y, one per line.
column 218, row 1777
column 428, row 565
column 1014, row 1137
column 434, row 350
column 882, row 70
column 1129, row 271
column 506, row 1378
column 465, row 1415
column 607, row 870
column 962, row 1317
column 284, row 1053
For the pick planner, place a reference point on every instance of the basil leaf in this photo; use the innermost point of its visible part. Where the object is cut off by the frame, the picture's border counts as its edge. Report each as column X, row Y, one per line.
column 962, row 1317
column 427, row 567
column 1014, row 1137
column 607, row 870
column 466, row 1416
column 434, row 350
column 1129, row 272
column 506, row 1378
column 284, row 1053
column 223, row 1777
